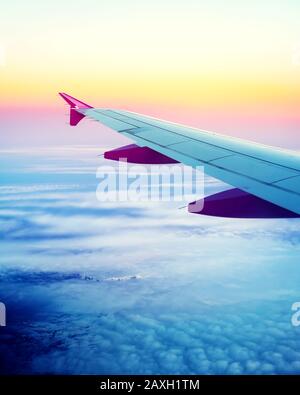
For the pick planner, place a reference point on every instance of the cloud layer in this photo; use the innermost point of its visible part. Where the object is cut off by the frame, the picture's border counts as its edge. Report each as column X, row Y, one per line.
column 94, row 287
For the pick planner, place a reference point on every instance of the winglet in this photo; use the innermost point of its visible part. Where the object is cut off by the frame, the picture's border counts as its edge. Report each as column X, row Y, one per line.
column 75, row 116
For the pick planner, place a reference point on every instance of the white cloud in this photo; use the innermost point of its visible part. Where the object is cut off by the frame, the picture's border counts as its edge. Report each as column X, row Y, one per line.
column 146, row 288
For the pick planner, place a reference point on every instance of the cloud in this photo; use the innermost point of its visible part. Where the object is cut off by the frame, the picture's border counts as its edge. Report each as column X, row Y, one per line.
column 140, row 287
column 133, row 343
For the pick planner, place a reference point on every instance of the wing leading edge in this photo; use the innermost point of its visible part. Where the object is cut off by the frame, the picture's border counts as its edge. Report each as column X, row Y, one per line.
column 269, row 173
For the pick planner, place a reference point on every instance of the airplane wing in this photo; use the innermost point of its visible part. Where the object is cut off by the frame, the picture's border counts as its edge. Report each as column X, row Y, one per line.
column 265, row 172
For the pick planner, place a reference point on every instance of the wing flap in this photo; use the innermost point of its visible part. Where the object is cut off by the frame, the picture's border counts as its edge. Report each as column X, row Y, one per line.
column 255, row 168
column 154, row 135
column 292, row 184
column 208, row 151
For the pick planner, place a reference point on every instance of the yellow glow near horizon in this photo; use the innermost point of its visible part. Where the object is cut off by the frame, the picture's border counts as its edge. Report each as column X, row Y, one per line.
column 189, row 53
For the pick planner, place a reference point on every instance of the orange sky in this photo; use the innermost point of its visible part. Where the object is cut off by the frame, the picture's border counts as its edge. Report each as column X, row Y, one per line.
column 235, row 68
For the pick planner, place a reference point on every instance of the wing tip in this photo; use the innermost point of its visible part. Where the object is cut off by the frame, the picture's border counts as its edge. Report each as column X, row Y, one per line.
column 73, row 102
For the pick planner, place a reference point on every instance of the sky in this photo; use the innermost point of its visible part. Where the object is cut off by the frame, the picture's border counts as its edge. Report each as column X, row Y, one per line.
column 142, row 288
column 232, row 68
